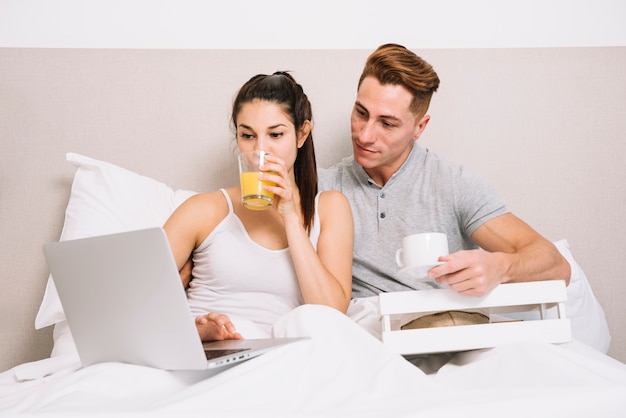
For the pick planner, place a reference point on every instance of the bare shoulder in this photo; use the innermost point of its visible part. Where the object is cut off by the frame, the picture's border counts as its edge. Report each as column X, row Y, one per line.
column 203, row 208
column 199, row 200
column 192, row 221
column 333, row 203
column 333, row 197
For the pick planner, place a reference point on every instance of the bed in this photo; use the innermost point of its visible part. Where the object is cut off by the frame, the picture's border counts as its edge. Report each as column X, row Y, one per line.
column 99, row 141
column 332, row 376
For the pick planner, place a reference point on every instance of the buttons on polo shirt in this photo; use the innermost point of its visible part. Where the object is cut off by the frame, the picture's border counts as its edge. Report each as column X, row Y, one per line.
column 382, row 195
column 382, row 215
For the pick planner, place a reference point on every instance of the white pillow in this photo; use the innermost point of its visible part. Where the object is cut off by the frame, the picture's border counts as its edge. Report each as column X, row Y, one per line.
column 105, row 199
column 585, row 313
column 582, row 308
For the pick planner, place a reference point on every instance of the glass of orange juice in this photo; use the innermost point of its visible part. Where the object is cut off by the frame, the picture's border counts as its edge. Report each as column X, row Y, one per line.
column 253, row 195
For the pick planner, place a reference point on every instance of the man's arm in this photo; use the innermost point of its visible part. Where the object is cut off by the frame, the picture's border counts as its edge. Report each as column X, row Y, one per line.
column 512, row 251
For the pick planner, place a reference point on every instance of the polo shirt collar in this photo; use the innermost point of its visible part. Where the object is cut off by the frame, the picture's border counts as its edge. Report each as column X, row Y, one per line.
column 413, row 157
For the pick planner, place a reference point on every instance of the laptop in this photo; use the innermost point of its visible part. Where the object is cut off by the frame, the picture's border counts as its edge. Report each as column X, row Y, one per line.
column 124, row 302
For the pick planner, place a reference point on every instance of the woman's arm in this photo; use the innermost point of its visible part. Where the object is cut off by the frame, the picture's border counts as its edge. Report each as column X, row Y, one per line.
column 325, row 276
column 190, row 224
column 186, row 228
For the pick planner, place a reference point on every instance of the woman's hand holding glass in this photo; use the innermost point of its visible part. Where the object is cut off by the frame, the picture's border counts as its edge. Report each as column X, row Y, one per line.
column 274, row 170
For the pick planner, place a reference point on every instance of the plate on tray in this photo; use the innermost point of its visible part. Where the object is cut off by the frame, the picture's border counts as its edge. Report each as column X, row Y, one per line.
column 417, row 272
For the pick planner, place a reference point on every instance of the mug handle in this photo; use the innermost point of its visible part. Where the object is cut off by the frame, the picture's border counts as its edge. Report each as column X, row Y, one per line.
column 399, row 258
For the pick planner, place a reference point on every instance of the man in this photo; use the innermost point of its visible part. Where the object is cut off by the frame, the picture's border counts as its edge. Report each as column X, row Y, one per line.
column 397, row 188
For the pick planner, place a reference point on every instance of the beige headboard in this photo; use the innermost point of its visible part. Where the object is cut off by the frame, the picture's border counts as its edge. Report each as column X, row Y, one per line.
column 546, row 126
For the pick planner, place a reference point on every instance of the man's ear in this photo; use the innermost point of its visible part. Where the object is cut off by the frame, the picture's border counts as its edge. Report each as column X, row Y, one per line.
column 304, row 132
column 420, row 126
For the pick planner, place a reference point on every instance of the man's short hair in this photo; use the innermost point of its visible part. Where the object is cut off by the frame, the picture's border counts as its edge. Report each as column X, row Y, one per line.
column 396, row 65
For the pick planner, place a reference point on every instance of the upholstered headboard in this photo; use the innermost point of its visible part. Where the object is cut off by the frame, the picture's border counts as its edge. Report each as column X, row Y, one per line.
column 545, row 125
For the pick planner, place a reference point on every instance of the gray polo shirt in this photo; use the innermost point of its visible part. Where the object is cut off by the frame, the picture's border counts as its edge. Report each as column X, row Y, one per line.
column 427, row 194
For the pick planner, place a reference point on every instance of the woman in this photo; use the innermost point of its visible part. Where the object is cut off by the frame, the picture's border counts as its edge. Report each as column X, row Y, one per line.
column 259, row 265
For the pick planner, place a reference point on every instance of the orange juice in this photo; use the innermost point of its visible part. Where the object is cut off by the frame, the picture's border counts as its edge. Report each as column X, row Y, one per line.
column 254, row 196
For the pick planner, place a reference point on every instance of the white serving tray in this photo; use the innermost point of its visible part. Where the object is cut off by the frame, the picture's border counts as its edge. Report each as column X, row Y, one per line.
column 533, row 311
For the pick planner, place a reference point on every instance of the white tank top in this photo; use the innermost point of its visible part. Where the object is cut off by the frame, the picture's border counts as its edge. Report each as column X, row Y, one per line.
column 235, row 276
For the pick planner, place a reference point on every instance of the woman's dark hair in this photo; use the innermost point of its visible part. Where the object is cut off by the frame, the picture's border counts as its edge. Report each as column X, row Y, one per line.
column 281, row 88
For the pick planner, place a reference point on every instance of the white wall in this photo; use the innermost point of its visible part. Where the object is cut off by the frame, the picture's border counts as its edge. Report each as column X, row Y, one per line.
column 312, row 24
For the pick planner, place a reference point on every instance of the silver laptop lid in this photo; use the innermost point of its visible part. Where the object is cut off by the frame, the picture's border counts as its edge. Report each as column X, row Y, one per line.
column 124, row 301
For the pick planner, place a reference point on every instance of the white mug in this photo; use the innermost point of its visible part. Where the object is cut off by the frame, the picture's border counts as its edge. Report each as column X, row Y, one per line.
column 422, row 249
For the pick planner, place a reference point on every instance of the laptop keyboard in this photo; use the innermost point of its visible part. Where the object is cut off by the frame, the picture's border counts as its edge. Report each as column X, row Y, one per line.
column 211, row 354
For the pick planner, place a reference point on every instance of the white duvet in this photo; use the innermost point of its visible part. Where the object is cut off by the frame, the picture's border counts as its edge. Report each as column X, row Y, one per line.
column 341, row 371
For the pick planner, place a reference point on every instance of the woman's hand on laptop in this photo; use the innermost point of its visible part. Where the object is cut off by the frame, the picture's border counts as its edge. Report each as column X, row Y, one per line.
column 215, row 326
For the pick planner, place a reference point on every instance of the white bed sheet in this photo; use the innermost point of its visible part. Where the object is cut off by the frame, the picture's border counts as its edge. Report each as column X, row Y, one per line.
column 341, row 371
